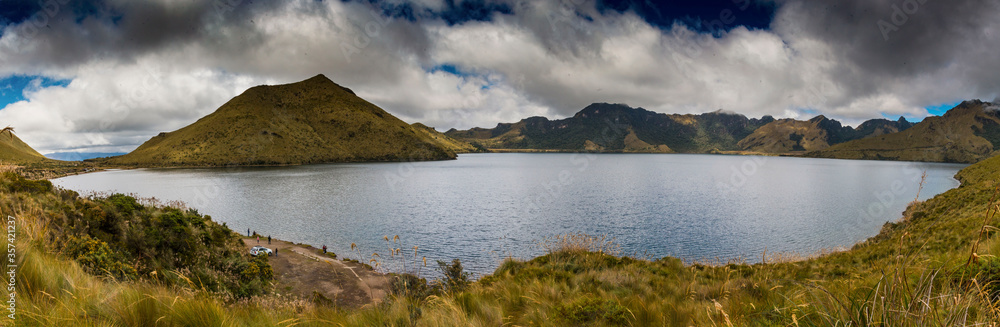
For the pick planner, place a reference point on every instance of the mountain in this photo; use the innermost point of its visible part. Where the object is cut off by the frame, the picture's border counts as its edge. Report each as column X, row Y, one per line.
column 789, row 135
column 967, row 133
column 313, row 121
column 876, row 127
column 13, row 150
column 453, row 145
column 618, row 128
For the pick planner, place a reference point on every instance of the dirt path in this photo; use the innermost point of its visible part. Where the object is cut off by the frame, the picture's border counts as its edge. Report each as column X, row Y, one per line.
column 301, row 270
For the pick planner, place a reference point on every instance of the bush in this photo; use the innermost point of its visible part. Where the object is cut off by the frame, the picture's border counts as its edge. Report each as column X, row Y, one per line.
column 20, row 184
column 124, row 203
column 97, row 258
column 455, row 277
column 411, row 286
column 257, row 269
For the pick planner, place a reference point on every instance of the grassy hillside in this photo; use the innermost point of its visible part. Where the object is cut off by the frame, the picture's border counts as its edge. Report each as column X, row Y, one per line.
column 15, row 151
column 967, row 133
column 789, row 135
column 15, row 155
column 444, row 141
column 312, row 121
column 916, row 272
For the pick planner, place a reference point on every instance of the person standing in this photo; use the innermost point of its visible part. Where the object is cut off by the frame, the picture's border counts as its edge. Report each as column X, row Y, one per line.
column 248, row 232
column 269, row 240
column 258, row 239
column 324, row 248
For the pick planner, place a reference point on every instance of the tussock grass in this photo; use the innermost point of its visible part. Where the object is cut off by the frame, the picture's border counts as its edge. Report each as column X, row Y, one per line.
column 580, row 242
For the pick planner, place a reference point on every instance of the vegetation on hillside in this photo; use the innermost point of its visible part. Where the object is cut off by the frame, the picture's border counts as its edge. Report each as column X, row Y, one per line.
column 313, row 121
column 13, row 150
column 967, row 133
column 15, row 155
column 618, row 128
column 121, row 239
column 447, row 142
column 790, row 135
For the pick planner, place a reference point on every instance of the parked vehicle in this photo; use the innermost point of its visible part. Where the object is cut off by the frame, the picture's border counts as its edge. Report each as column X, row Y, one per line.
column 258, row 250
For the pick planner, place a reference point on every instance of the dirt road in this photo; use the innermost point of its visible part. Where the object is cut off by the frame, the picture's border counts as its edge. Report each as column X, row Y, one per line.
column 301, row 270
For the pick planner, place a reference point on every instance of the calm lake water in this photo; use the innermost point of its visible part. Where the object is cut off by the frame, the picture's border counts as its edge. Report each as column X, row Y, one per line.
column 484, row 207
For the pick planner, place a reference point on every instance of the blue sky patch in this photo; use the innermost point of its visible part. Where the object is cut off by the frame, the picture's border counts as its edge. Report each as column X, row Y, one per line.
column 457, row 71
column 12, row 88
column 908, row 117
column 454, row 12
column 448, row 68
column 940, row 109
column 703, row 16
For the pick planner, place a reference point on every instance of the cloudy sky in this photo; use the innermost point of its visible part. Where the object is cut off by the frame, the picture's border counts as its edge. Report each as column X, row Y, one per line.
column 104, row 76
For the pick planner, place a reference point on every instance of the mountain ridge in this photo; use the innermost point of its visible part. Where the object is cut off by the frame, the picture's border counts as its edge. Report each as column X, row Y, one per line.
column 605, row 127
column 967, row 133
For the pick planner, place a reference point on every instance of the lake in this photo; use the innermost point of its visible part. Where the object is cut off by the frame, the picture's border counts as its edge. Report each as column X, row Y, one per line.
column 484, row 207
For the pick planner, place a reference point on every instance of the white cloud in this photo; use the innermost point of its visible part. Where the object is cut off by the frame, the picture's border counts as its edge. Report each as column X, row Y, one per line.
column 543, row 60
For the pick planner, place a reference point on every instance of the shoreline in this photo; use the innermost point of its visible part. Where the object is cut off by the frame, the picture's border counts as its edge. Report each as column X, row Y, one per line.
column 303, row 271
column 763, row 257
column 498, row 151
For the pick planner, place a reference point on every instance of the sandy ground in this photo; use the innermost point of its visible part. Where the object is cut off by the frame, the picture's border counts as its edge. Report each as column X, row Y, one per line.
column 301, row 269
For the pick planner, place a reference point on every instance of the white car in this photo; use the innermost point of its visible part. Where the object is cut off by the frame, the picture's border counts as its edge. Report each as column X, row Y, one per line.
column 258, row 250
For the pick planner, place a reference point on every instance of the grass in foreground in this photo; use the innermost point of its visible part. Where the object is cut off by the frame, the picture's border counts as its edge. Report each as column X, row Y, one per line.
column 916, row 272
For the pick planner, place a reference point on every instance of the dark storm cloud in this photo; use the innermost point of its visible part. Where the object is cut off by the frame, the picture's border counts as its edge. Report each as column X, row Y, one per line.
column 889, row 40
column 901, row 37
column 67, row 33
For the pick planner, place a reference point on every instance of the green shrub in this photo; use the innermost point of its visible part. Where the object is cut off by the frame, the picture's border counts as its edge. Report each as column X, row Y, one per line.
column 257, row 269
column 411, row 286
column 455, row 277
column 124, row 203
column 96, row 257
column 20, row 184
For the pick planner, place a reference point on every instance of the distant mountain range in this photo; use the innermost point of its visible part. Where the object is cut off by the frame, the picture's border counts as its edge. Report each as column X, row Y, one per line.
column 620, row 128
column 313, row 121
